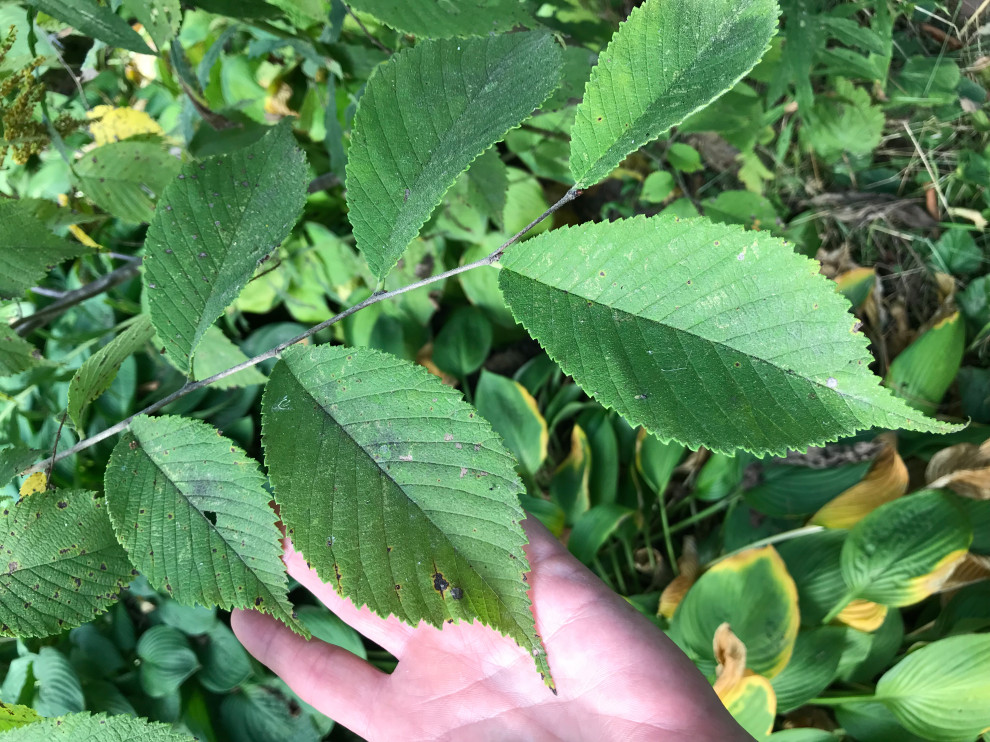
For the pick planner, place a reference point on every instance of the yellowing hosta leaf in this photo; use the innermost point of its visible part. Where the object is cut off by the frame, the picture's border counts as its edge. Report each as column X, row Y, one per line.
column 753, row 704
column 569, row 486
column 397, row 491
column 688, row 568
column 941, row 692
column 856, row 284
column 701, row 333
column 425, row 115
column 902, row 551
column 730, row 654
column 192, row 511
column 514, row 414
column 755, row 595
column 886, row 480
column 57, row 577
column 114, row 124
column 212, row 226
column 923, row 372
column 436, row 20
column 669, row 59
column 863, row 615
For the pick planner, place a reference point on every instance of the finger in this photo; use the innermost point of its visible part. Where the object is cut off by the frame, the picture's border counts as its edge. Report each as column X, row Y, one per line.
column 332, row 680
column 389, row 633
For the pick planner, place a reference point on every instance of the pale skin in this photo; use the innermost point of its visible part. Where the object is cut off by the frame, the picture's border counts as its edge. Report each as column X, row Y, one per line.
column 618, row 677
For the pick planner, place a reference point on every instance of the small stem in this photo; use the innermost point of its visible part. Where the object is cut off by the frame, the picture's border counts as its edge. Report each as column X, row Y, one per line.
column 839, row 607
column 701, row 515
column 777, row 538
column 618, row 574
column 838, row 700
column 668, row 539
column 600, row 571
column 367, row 33
column 29, row 324
column 273, row 352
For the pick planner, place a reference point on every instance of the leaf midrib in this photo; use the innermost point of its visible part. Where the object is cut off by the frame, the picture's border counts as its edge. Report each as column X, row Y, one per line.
column 343, row 429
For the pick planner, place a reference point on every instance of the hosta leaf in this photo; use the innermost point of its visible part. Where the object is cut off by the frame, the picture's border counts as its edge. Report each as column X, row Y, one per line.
column 29, row 247
column 98, row 728
column 942, row 691
column 440, row 20
column 755, row 595
column 59, row 689
column 58, row 576
column 213, row 223
column 12, row 716
column 225, row 662
column 16, row 353
column 424, row 116
column 99, row 370
column 125, row 178
column 92, row 19
column 166, row 660
column 810, row 669
column 902, row 551
column 701, row 333
column 397, row 491
column 669, row 59
column 192, row 511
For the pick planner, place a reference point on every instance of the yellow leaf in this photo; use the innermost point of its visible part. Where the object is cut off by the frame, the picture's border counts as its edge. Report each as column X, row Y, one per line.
column 971, row 568
column 730, row 653
column 688, row 568
column 886, row 480
column 114, row 124
column 864, row 615
column 425, row 359
column 749, row 697
column 84, row 238
column 37, row 482
column 921, row 587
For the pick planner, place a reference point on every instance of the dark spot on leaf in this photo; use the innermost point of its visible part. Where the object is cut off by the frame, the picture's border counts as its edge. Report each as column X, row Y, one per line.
column 132, row 445
column 210, row 516
column 456, row 593
column 12, row 567
column 439, row 583
column 62, row 505
column 258, row 601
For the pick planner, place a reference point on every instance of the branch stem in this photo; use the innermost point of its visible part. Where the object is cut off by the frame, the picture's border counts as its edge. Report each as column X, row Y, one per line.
column 273, row 352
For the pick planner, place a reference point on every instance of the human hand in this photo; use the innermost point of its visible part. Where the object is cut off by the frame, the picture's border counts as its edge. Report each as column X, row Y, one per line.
column 618, row 676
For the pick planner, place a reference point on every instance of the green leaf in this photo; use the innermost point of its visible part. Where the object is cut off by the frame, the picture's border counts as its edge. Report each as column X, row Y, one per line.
column 701, row 333
column 213, row 224
column 425, row 115
column 91, row 19
column 811, row 668
column 217, row 353
column 397, row 491
column 160, row 18
column 59, row 690
column 684, row 157
column 515, row 416
column 656, row 460
column 657, row 187
column 225, row 662
column 98, row 728
column 570, row 486
column 871, row 721
column 166, row 660
column 192, row 511
column 13, row 716
column 194, row 620
column 942, row 691
column 29, row 248
column 439, row 20
column 845, row 122
column 463, row 342
column 896, row 554
column 124, row 178
column 99, row 370
column 800, row 491
column 594, row 528
column 327, row 627
column 15, row 459
column 814, row 563
column 753, row 592
column 58, row 577
column 925, row 370
column 669, row 59
column 488, row 183
column 16, row 353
